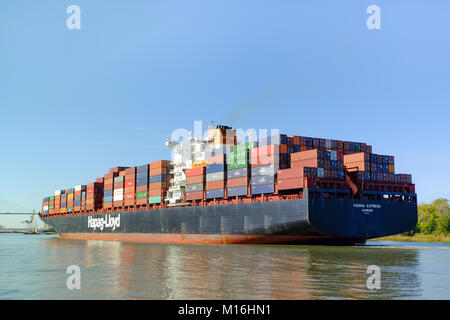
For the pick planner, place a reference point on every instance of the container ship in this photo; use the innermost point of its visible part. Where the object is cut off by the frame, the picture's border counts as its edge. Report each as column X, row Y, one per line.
column 274, row 190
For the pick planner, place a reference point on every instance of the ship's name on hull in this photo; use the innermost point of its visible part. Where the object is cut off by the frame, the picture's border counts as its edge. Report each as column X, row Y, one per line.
column 367, row 208
column 106, row 222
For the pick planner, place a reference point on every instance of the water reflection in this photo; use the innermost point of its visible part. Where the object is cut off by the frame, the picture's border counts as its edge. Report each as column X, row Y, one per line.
column 119, row 270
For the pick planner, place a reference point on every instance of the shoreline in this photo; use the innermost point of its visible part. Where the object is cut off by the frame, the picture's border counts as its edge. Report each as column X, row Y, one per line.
column 415, row 238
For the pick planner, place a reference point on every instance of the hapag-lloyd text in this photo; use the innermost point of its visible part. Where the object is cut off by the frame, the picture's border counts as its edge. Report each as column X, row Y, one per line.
column 106, row 222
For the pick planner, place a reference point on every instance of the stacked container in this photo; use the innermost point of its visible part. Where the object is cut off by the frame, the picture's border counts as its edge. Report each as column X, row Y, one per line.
column 94, row 194
column 51, row 205
column 130, row 187
column 371, row 167
column 57, row 205
column 195, row 183
column 215, row 176
column 159, row 181
column 108, row 189
column 70, row 199
column 265, row 162
column 77, row 202
column 119, row 183
column 63, row 206
column 292, row 178
column 327, row 162
column 45, row 206
column 238, row 170
column 142, row 174
column 403, row 178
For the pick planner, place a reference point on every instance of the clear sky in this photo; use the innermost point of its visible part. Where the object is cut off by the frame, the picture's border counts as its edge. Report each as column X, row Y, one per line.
column 74, row 103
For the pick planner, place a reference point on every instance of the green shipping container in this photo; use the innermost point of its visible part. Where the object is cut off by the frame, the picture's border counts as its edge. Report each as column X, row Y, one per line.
column 141, row 195
column 118, row 179
column 52, row 198
column 156, row 199
column 51, row 207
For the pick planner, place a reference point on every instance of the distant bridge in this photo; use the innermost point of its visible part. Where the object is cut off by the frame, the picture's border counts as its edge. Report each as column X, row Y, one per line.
column 16, row 213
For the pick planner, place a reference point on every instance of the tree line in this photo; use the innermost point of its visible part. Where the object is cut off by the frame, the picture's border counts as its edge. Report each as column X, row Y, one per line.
column 433, row 218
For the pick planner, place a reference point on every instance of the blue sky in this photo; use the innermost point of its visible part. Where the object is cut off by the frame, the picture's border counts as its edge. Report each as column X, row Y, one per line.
column 74, row 103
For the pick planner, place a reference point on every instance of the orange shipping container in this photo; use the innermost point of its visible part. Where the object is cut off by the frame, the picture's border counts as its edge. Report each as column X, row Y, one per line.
column 304, row 155
column 195, row 179
column 237, row 182
column 158, row 171
column 312, row 163
column 357, row 166
column 158, row 185
column 218, row 184
column 288, row 184
column 295, row 172
column 216, row 159
column 157, row 192
column 159, row 164
column 356, row 157
column 141, row 188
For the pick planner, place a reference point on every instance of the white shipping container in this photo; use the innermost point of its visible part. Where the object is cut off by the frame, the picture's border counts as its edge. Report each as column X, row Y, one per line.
column 118, row 191
column 45, row 208
column 118, row 197
column 78, row 188
column 57, row 192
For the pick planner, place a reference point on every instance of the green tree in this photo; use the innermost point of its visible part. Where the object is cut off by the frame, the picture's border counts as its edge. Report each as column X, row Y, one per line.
column 434, row 218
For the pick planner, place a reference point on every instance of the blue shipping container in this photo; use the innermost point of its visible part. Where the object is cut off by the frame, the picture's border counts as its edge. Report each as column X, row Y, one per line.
column 108, row 193
column 141, row 169
column 237, row 173
column 217, row 193
column 269, row 170
column 262, row 180
column 268, row 188
column 158, row 178
column 237, row 191
column 215, row 168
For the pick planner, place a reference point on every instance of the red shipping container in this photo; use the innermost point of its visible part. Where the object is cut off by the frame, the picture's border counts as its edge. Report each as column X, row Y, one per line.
column 129, row 183
column 197, row 195
column 129, row 196
column 199, row 171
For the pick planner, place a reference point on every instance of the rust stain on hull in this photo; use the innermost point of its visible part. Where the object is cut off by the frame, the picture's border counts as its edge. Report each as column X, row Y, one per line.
column 211, row 238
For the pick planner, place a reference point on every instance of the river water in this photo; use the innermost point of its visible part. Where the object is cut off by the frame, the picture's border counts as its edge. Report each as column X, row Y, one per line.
column 34, row 267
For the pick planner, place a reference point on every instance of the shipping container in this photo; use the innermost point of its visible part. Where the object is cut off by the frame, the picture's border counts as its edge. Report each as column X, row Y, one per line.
column 237, row 191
